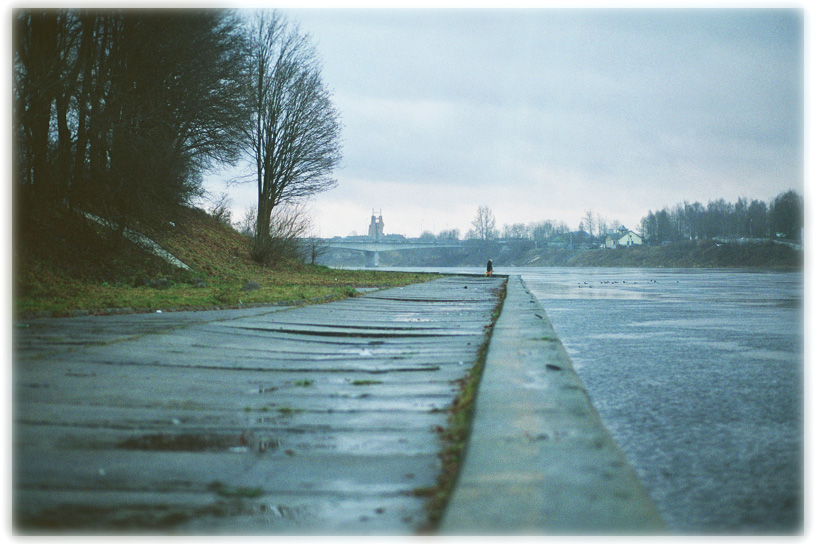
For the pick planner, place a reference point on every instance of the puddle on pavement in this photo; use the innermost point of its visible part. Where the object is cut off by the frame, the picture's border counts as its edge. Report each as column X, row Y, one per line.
column 283, row 511
column 206, row 442
column 261, row 390
column 154, row 516
column 408, row 318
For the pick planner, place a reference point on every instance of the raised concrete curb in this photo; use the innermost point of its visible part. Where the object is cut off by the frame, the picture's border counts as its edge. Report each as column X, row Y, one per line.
column 539, row 459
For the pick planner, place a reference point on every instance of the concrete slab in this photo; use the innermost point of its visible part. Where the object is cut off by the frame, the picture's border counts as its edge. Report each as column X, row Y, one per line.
column 315, row 420
column 539, row 460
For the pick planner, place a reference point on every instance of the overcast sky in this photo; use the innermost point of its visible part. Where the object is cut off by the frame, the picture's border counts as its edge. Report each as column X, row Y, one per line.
column 545, row 114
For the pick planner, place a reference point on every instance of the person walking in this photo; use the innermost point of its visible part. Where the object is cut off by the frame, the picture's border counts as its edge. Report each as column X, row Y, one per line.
column 489, row 268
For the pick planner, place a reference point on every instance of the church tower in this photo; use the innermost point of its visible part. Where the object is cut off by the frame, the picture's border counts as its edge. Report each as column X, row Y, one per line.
column 375, row 228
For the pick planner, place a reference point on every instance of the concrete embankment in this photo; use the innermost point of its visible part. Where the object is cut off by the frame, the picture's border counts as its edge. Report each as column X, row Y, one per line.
column 324, row 419
column 539, row 459
column 321, row 419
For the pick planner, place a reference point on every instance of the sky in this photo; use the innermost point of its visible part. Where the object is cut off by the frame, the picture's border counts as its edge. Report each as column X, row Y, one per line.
column 545, row 114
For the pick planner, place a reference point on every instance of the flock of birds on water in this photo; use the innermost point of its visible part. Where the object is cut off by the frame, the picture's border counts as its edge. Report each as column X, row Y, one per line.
column 612, row 282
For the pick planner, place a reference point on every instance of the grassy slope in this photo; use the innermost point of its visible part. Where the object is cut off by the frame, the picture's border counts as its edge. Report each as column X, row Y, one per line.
column 63, row 263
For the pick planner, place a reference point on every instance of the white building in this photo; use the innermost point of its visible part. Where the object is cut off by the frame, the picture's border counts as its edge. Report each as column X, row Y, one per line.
column 623, row 238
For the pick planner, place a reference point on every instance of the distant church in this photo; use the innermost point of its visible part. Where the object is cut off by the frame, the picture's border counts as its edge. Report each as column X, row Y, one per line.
column 375, row 229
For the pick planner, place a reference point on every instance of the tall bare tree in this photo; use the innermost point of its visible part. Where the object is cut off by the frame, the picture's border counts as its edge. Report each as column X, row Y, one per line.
column 484, row 225
column 294, row 137
column 589, row 224
column 38, row 67
column 603, row 228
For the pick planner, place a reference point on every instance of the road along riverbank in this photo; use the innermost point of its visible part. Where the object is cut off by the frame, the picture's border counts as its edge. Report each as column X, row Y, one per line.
column 323, row 419
column 539, row 459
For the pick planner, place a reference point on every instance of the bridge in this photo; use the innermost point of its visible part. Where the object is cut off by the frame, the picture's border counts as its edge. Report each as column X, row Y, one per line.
column 372, row 247
column 378, row 241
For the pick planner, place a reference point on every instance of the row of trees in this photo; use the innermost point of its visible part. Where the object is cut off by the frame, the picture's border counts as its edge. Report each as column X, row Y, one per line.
column 484, row 228
column 119, row 112
column 782, row 218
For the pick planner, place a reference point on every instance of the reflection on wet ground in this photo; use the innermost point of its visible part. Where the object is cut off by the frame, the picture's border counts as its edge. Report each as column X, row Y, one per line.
column 321, row 419
column 588, row 290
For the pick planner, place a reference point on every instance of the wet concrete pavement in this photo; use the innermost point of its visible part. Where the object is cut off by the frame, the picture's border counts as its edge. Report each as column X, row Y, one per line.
column 320, row 420
column 323, row 419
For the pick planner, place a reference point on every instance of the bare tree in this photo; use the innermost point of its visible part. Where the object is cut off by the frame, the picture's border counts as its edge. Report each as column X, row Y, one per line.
column 220, row 209
column 589, row 224
column 287, row 227
column 484, row 225
column 314, row 247
column 452, row 234
column 516, row 231
column 603, row 227
column 39, row 66
column 246, row 225
column 294, row 137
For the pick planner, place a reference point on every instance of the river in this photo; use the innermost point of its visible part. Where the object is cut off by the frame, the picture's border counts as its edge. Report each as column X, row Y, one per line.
column 698, row 375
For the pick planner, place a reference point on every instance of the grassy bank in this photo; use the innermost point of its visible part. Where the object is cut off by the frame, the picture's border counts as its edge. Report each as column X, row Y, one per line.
column 693, row 254
column 63, row 263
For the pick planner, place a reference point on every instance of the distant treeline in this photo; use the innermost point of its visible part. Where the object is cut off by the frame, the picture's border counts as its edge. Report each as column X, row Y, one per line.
column 782, row 218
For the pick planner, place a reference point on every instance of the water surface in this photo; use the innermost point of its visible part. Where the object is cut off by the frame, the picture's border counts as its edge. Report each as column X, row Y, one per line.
column 698, row 376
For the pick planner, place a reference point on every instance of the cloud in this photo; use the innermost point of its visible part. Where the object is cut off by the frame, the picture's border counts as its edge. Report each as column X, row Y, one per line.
column 544, row 114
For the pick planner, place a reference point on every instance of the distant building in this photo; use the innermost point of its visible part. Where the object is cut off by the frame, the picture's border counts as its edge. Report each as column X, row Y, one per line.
column 623, row 237
column 375, row 229
column 559, row 240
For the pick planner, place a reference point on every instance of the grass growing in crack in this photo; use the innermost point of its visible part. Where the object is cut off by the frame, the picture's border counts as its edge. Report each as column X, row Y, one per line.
column 366, row 382
column 240, row 492
column 285, row 410
column 261, row 409
column 455, row 435
column 304, row 383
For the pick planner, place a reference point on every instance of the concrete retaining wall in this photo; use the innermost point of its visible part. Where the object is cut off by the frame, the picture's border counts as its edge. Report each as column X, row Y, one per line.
column 539, row 458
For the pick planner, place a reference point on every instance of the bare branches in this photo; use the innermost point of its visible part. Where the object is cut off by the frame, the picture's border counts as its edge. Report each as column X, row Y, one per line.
column 288, row 227
column 120, row 111
column 484, row 225
column 295, row 133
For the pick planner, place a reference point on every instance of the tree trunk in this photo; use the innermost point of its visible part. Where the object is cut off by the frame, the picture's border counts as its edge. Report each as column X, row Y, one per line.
column 86, row 60
column 40, row 73
column 262, row 230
